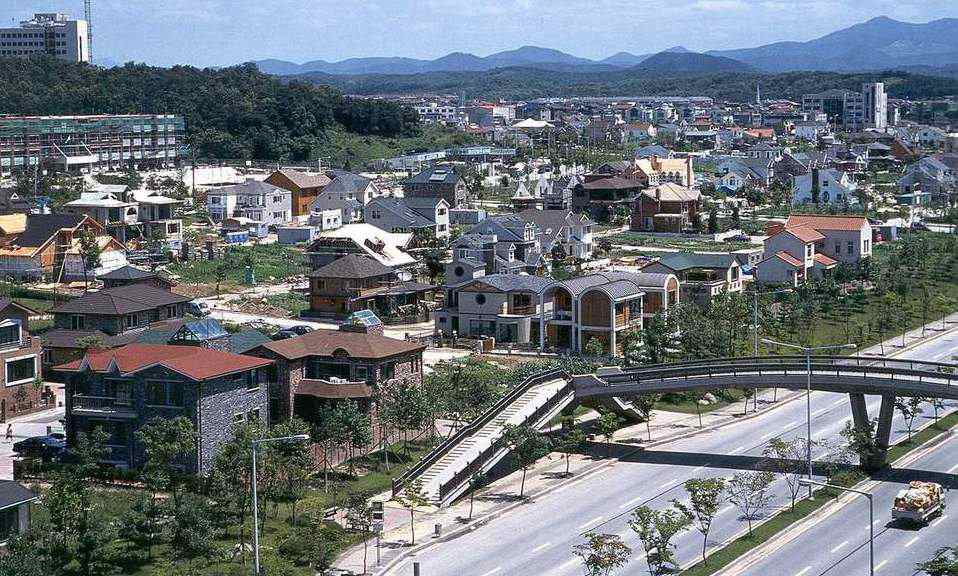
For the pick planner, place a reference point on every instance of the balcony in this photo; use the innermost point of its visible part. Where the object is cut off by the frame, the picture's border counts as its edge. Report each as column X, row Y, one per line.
column 102, row 405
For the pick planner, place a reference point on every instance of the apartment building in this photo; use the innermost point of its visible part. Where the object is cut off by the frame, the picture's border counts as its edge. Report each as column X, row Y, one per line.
column 50, row 34
column 89, row 143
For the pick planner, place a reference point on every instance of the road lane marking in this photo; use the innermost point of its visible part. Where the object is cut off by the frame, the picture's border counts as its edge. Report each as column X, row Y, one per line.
column 493, row 571
column 739, row 449
column 541, row 547
column 567, row 564
column 667, row 484
column 880, row 564
column 803, row 571
column 839, row 547
column 631, row 502
column 953, row 468
column 938, row 521
column 790, row 424
column 912, row 541
column 595, row 520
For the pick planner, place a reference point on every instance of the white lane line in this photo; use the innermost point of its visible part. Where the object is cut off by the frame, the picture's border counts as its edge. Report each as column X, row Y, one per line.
column 739, row 449
column 567, row 564
column 631, row 502
column 803, row 571
column 880, row 564
column 667, row 484
column 938, row 521
column 912, row 541
column 595, row 520
column 493, row 571
column 541, row 547
column 953, row 468
column 790, row 424
column 839, row 547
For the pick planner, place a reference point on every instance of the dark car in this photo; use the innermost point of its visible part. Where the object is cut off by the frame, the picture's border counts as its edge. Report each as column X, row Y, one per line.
column 300, row 329
column 46, row 447
column 919, row 225
column 284, row 335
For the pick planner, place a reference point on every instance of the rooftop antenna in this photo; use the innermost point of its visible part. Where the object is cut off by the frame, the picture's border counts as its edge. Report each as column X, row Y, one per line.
column 88, row 15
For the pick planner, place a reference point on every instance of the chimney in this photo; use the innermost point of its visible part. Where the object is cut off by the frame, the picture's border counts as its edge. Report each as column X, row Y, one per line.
column 773, row 228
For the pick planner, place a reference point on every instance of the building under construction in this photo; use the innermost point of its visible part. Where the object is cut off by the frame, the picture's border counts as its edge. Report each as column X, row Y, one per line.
column 89, row 143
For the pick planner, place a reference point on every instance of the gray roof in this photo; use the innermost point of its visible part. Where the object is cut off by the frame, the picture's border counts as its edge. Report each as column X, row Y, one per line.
column 128, row 273
column 121, row 300
column 244, row 341
column 617, row 284
column 13, row 493
column 40, row 227
column 513, row 282
column 399, row 207
column 688, row 261
column 437, row 175
column 345, row 182
column 250, row 188
column 352, row 266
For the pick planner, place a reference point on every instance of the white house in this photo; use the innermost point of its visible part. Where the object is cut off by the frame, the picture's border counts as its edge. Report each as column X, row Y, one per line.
column 824, row 186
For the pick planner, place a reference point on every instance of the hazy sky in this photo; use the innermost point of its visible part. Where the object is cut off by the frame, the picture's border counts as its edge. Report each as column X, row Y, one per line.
column 219, row 32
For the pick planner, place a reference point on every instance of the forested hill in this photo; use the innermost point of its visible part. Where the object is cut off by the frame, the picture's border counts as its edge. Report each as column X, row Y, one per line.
column 524, row 83
column 235, row 112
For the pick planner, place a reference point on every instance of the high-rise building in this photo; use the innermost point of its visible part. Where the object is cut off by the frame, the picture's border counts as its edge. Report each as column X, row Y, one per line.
column 875, row 105
column 844, row 108
column 89, row 143
column 48, row 33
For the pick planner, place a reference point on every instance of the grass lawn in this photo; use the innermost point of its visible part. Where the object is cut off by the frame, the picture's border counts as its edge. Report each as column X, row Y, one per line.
column 676, row 403
column 804, row 508
column 41, row 306
column 294, row 302
column 637, row 239
column 270, row 261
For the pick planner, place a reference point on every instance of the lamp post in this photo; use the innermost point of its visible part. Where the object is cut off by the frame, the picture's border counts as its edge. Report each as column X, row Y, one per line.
column 254, row 445
column 755, row 295
column 807, row 350
column 871, row 516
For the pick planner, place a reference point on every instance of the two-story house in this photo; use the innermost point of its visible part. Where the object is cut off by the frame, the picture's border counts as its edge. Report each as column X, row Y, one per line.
column 305, row 187
column 437, row 182
column 789, row 256
column 668, row 207
column 507, row 307
column 356, row 282
column 20, row 356
column 121, row 389
column 425, row 218
column 258, row 201
column 702, row 276
column 571, row 232
column 328, row 366
column 846, row 239
column 824, row 186
column 514, row 241
column 156, row 215
column 107, row 209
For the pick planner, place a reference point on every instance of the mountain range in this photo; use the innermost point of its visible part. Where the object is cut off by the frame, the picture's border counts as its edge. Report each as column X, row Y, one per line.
column 878, row 44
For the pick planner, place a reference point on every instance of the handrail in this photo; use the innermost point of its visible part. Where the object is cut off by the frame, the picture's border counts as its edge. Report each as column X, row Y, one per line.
column 439, row 451
column 844, row 360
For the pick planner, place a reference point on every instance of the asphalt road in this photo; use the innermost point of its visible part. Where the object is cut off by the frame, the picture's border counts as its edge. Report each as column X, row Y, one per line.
column 538, row 538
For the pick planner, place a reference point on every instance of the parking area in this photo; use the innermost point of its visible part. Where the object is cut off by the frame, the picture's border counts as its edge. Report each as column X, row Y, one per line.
column 25, row 426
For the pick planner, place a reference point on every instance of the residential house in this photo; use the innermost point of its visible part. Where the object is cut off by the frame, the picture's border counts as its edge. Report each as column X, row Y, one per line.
column 558, row 195
column 702, row 276
column 507, row 307
column 437, row 182
column 810, row 130
column 387, row 248
column 254, row 200
column 524, row 198
column 20, row 354
column 563, row 230
column 35, row 246
column 604, row 197
column 107, row 209
column 156, row 216
column 328, row 366
column 936, row 175
column 131, row 275
column 509, row 244
column 667, row 207
column 425, row 218
column 790, row 258
column 12, row 203
column 605, row 305
column 120, row 390
column 845, row 239
column 659, row 170
column 355, row 282
column 15, row 501
column 305, row 188
column 824, row 186
column 348, row 193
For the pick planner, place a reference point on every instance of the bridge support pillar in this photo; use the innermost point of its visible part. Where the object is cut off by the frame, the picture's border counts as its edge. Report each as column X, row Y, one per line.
column 883, row 434
column 859, row 411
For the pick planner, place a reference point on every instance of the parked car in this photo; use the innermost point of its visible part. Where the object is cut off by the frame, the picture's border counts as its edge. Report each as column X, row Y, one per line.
column 46, row 447
column 739, row 238
column 300, row 329
column 198, row 308
column 284, row 334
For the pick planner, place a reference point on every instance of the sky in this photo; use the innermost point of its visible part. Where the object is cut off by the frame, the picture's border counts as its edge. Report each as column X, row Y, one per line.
column 224, row 32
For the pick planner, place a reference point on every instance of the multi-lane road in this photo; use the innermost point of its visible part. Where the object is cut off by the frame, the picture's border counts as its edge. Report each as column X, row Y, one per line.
column 538, row 538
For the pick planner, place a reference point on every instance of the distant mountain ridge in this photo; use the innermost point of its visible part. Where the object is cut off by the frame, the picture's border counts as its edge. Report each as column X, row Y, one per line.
column 877, row 44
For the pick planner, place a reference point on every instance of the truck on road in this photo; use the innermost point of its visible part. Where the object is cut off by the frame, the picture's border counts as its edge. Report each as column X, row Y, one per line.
column 918, row 503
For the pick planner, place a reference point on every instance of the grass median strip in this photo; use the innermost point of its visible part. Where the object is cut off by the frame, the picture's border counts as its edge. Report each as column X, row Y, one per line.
column 805, row 508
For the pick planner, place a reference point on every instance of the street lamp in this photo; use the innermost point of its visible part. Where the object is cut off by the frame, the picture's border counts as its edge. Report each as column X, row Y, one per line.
column 807, row 350
column 871, row 516
column 254, row 445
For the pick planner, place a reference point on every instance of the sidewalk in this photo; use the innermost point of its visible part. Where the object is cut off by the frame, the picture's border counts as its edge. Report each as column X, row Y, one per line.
column 25, row 426
column 501, row 496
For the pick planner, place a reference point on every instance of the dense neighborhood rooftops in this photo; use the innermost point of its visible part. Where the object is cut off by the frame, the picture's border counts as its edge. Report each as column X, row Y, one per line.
column 352, row 266
column 194, row 362
column 121, row 300
column 334, row 343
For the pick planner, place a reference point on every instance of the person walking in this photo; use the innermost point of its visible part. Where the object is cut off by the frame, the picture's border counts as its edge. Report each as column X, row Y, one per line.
column 9, row 435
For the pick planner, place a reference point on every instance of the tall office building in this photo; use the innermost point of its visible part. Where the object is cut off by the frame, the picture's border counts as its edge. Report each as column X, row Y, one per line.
column 876, row 105
column 51, row 34
column 844, row 108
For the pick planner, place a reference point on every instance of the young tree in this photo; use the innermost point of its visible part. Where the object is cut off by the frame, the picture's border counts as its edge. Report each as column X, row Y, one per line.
column 412, row 497
column 191, row 532
column 909, row 408
column 655, row 529
column 90, row 253
column 713, row 226
column 705, row 497
column 166, row 442
column 527, row 446
column 785, row 457
column 645, row 405
column 570, row 439
column 863, row 443
column 750, row 493
column 607, row 424
column 139, row 526
column 359, row 519
column 602, row 554
column 945, row 563
column 594, row 348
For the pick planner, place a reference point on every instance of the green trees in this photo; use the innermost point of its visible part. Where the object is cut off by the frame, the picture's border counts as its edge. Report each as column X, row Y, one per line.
column 413, row 496
column 705, row 497
column 909, row 408
column 90, row 253
column 606, row 425
column 602, row 554
column 785, row 457
column 656, row 529
column 594, row 348
column 945, row 563
column 863, row 443
column 527, row 446
column 166, row 441
column 569, row 440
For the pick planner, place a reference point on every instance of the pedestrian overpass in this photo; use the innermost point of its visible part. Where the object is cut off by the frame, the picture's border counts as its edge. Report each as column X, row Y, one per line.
column 446, row 470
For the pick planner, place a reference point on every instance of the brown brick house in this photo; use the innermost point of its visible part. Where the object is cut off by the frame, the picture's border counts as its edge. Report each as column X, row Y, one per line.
column 305, row 187
column 329, row 366
column 667, row 207
column 20, row 357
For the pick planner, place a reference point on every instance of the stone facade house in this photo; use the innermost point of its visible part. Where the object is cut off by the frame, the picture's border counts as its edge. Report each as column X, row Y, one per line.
column 122, row 389
column 20, row 355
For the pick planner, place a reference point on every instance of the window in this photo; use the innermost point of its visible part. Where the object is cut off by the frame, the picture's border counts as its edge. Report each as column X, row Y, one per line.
column 130, row 320
column 851, row 249
column 838, row 247
column 388, row 371
column 480, row 299
column 77, row 322
column 171, row 311
column 239, row 418
column 10, row 333
column 251, row 378
column 21, row 370
column 362, row 373
column 253, row 415
column 164, row 394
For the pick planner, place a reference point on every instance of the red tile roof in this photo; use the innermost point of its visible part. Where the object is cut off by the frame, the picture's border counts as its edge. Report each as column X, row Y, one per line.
column 804, row 233
column 353, row 344
column 827, row 222
column 788, row 258
column 193, row 362
column 825, row 260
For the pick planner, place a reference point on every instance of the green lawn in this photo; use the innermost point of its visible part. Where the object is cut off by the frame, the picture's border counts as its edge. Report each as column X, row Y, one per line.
column 638, row 239
column 269, row 261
